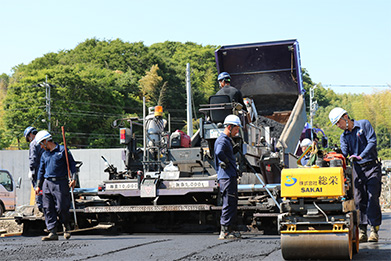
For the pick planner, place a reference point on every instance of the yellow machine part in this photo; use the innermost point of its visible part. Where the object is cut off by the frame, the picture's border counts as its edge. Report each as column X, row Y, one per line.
column 32, row 196
column 312, row 182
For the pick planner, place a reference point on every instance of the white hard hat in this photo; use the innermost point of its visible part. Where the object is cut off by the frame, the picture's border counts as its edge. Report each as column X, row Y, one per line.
column 305, row 143
column 336, row 114
column 43, row 135
column 232, row 120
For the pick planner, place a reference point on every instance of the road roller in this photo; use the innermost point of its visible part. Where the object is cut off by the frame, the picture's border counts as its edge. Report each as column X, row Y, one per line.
column 318, row 217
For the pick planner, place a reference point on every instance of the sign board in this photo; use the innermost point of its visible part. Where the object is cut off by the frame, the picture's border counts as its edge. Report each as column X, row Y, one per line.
column 312, row 182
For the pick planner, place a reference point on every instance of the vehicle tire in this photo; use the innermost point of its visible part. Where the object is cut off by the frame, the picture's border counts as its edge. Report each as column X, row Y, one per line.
column 1, row 209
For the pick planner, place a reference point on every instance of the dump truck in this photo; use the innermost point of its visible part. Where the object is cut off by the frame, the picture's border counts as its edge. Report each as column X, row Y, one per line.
column 171, row 181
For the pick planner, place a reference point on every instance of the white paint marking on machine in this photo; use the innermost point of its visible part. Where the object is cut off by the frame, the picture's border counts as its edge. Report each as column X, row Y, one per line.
column 121, row 186
column 214, row 134
column 188, row 184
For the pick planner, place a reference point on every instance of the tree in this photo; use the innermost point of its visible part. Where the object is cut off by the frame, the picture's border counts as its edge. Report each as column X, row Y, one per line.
column 151, row 84
column 102, row 80
column 173, row 70
column 4, row 138
column 83, row 98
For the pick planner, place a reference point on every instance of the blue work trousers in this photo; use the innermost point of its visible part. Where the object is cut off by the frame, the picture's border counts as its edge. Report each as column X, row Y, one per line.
column 229, row 191
column 367, row 182
column 56, row 202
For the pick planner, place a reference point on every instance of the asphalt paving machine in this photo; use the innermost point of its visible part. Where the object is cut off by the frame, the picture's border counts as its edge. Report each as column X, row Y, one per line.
column 319, row 219
column 174, row 177
column 171, row 180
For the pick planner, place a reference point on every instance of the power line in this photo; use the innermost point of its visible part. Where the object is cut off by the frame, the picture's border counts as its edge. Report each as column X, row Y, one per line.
column 26, row 108
column 96, row 104
column 88, row 113
column 361, row 86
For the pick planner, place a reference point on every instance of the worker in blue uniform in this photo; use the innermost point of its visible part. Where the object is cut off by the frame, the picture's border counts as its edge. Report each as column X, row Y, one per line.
column 359, row 142
column 227, row 176
column 226, row 89
column 35, row 152
column 53, row 180
column 304, row 144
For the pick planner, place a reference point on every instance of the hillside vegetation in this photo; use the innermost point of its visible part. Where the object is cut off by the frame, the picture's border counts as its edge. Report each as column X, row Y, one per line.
column 102, row 80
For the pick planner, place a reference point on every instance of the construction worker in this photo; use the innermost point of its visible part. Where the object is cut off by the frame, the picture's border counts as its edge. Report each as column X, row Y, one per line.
column 226, row 89
column 53, row 180
column 227, row 176
column 35, row 152
column 304, row 144
column 359, row 141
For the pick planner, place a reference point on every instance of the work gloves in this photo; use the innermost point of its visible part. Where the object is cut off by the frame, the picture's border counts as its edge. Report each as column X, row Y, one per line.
column 236, row 148
column 223, row 164
column 30, row 175
column 72, row 182
column 354, row 158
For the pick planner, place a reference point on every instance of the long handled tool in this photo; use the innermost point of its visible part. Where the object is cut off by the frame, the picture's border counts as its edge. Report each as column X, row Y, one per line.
column 257, row 175
column 69, row 177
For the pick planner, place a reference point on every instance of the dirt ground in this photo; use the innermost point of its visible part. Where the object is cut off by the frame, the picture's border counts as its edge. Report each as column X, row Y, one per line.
column 8, row 225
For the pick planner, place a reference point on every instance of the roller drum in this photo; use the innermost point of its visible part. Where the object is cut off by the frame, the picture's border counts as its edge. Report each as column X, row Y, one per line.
column 328, row 246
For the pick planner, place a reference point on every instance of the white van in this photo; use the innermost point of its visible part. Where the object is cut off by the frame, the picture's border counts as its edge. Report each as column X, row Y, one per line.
column 7, row 191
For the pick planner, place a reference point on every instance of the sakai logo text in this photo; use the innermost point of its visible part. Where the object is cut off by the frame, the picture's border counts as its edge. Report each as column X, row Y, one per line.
column 290, row 181
column 310, row 190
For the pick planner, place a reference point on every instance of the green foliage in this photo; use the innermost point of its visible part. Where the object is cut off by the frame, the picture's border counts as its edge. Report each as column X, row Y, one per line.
column 4, row 81
column 373, row 107
column 102, row 80
column 97, row 82
column 83, row 98
column 151, row 84
column 384, row 154
column 176, row 55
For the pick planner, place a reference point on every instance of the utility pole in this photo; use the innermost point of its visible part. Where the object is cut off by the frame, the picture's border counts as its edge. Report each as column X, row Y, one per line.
column 47, row 101
column 189, row 114
column 47, row 85
column 313, row 109
column 144, row 134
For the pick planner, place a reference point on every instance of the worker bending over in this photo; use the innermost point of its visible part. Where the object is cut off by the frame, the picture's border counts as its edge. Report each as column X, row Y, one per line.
column 359, row 141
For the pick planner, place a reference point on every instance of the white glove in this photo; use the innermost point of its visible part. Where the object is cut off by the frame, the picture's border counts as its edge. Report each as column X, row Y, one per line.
column 30, row 175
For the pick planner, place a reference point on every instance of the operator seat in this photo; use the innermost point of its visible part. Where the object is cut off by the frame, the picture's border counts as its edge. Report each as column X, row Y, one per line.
column 218, row 114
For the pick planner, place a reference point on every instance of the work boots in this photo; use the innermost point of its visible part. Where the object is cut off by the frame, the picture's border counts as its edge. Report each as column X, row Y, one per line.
column 52, row 235
column 67, row 229
column 363, row 237
column 374, row 236
column 228, row 233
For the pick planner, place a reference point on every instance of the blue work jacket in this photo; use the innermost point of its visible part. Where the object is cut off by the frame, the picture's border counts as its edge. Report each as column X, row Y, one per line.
column 304, row 160
column 224, row 153
column 54, row 164
column 35, row 153
column 361, row 141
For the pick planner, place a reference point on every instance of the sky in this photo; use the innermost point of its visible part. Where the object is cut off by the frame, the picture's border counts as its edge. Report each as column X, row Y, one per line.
column 344, row 44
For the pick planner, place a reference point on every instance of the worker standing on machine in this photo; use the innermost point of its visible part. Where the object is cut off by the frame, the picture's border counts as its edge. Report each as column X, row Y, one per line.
column 35, row 152
column 359, row 141
column 227, row 176
column 226, row 89
column 53, row 179
column 304, row 144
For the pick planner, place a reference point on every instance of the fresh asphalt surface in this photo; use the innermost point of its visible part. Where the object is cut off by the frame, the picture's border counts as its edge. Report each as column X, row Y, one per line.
column 103, row 246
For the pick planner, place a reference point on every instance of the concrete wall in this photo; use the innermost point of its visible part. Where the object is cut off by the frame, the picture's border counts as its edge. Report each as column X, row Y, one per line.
column 91, row 172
